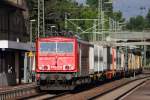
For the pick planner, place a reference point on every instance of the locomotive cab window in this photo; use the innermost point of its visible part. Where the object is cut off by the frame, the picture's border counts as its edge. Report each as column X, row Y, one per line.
column 48, row 47
column 56, row 47
column 64, row 47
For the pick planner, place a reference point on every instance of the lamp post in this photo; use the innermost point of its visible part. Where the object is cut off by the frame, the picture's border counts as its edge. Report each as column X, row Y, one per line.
column 30, row 67
column 31, row 22
column 52, row 28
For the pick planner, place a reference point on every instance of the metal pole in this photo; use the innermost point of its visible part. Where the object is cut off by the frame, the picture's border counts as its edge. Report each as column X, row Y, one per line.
column 30, row 32
column 94, row 31
column 102, row 62
column 30, row 67
column 145, row 49
column 66, row 26
column 126, row 57
column 102, row 20
column 99, row 16
column 133, row 67
column 3, row 56
column 110, row 26
column 113, row 26
column 38, row 18
column 30, row 64
column 98, row 59
column 43, row 20
column 25, row 69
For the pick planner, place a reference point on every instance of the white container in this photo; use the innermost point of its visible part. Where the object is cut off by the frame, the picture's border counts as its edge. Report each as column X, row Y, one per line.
column 91, row 60
column 99, row 59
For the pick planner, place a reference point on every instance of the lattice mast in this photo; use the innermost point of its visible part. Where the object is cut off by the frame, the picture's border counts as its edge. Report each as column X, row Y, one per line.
column 41, row 19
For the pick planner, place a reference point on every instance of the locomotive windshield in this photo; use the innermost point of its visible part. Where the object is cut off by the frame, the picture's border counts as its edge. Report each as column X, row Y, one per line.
column 48, row 47
column 64, row 47
column 56, row 47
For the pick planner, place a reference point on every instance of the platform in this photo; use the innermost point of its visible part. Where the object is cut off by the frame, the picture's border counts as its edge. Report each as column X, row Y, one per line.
column 142, row 93
column 7, row 88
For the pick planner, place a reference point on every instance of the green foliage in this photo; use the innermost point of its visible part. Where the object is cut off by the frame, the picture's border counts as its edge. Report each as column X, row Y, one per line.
column 136, row 23
column 92, row 3
column 139, row 23
column 118, row 16
column 55, row 11
column 147, row 20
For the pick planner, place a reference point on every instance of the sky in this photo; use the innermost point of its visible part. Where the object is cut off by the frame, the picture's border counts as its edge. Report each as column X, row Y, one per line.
column 130, row 8
column 81, row 1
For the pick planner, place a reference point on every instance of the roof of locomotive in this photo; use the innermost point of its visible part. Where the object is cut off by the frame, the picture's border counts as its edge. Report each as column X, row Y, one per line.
column 58, row 38
column 53, row 39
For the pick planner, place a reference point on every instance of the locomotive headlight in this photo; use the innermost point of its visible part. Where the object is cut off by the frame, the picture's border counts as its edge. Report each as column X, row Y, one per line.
column 68, row 67
column 41, row 68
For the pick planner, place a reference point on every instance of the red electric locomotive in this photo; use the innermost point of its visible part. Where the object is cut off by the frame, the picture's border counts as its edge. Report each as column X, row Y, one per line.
column 57, row 65
column 56, row 55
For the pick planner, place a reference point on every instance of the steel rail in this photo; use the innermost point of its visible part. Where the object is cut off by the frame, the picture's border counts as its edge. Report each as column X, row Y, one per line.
column 100, row 95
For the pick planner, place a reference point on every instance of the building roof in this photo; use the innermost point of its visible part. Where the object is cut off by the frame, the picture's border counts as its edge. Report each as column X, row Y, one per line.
column 11, row 4
column 16, row 45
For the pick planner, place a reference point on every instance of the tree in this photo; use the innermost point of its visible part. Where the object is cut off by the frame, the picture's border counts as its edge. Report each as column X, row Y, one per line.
column 147, row 20
column 55, row 11
column 92, row 3
column 136, row 23
column 118, row 16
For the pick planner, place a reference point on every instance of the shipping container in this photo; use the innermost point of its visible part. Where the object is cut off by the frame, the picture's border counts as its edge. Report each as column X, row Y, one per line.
column 91, row 60
column 119, row 59
column 106, row 58
column 84, row 56
column 113, row 58
column 98, row 59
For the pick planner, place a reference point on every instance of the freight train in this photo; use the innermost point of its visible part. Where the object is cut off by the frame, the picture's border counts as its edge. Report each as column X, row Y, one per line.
column 62, row 63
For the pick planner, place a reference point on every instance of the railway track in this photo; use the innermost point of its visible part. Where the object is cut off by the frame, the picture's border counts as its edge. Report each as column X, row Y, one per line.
column 103, row 90
column 45, row 96
column 29, row 92
column 119, row 93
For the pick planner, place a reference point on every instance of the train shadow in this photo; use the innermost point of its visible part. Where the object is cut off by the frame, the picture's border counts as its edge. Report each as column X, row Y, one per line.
column 86, row 87
column 77, row 89
column 82, row 87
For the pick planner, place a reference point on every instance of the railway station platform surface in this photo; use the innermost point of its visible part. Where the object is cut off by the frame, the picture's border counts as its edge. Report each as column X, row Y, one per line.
column 7, row 88
column 141, row 93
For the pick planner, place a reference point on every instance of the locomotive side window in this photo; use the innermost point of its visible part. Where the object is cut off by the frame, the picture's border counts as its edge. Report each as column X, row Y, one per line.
column 49, row 47
column 64, row 47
